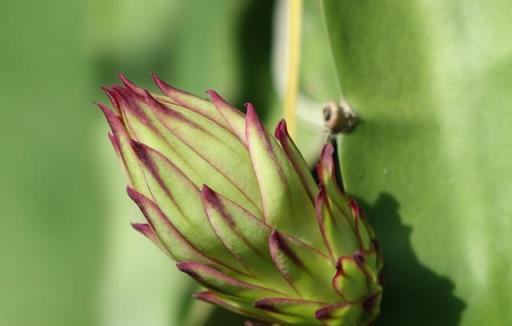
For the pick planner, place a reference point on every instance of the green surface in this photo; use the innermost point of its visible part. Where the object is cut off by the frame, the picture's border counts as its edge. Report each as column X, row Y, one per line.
column 51, row 208
column 431, row 81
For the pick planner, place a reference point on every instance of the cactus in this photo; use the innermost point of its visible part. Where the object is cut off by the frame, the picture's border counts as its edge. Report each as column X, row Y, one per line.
column 431, row 156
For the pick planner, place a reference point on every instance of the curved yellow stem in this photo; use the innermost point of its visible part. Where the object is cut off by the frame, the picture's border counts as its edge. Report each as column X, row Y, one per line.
column 292, row 64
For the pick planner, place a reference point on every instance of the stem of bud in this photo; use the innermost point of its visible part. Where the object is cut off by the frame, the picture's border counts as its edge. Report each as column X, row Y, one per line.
column 292, row 64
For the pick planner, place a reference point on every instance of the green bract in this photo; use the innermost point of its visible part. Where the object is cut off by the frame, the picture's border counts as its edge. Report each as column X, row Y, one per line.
column 240, row 212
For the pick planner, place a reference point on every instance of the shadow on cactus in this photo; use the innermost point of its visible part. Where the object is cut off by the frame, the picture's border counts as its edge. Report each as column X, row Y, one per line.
column 408, row 282
column 240, row 212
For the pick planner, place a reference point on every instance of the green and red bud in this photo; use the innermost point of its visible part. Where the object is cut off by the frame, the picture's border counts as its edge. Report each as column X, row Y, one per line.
column 240, row 212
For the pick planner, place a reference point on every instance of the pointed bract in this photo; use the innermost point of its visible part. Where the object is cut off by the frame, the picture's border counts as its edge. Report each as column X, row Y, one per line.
column 234, row 118
column 326, row 171
column 245, row 236
column 147, row 231
column 181, row 201
column 296, row 260
column 336, row 230
column 122, row 144
column 286, row 204
column 296, row 158
column 302, row 311
column 341, row 314
column 223, row 283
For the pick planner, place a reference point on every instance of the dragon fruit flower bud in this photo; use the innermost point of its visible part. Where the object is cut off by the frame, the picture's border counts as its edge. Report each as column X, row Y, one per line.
column 240, row 212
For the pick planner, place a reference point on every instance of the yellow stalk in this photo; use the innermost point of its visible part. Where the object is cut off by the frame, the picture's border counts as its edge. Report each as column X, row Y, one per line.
column 292, row 64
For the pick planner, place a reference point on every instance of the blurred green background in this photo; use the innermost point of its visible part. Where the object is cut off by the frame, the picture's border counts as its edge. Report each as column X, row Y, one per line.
column 68, row 254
